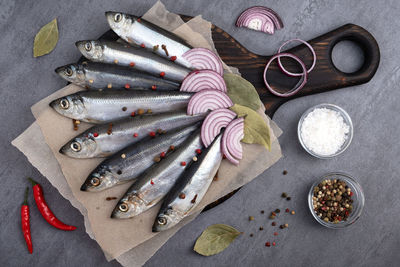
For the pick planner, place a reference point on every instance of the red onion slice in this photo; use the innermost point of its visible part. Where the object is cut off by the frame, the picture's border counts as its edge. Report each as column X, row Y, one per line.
column 297, row 87
column 203, row 79
column 297, row 74
column 204, row 59
column 214, row 122
column 230, row 145
column 206, row 100
column 260, row 18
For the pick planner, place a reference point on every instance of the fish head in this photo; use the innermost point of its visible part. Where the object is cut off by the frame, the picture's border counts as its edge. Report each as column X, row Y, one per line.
column 166, row 220
column 92, row 50
column 98, row 180
column 128, row 207
column 72, row 73
column 120, row 23
column 80, row 147
column 71, row 106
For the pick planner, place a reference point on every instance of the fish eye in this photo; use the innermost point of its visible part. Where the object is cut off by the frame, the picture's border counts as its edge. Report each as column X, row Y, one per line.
column 123, row 207
column 88, row 46
column 64, row 104
column 117, row 17
column 68, row 71
column 75, row 146
column 162, row 220
column 95, row 181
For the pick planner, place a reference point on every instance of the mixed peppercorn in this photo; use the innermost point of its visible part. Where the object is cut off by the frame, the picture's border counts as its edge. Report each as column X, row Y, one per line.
column 332, row 200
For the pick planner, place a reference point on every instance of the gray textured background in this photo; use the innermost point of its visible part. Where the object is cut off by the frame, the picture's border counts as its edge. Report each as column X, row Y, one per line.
column 373, row 157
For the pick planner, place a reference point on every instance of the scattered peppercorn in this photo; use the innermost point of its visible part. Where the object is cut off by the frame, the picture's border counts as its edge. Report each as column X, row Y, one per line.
column 288, row 198
column 251, row 218
column 261, row 228
column 281, row 226
column 277, row 210
column 284, row 172
column 284, row 195
column 262, row 212
column 273, row 223
column 182, row 195
column 251, row 235
column 110, row 198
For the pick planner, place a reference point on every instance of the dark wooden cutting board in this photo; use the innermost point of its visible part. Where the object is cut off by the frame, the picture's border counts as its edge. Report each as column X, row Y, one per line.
column 324, row 77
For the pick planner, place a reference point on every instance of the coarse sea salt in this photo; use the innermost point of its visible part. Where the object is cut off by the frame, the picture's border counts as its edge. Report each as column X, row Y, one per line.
column 324, row 131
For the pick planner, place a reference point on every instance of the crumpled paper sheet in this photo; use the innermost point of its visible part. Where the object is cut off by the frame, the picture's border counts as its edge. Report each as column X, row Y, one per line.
column 117, row 237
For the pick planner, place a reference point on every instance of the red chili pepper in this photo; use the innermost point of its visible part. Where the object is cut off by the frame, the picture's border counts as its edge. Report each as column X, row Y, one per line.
column 183, row 163
column 127, row 86
column 162, row 154
column 198, row 151
column 162, row 74
column 26, row 228
column 95, row 134
column 142, row 45
column 173, row 58
column 153, row 87
column 44, row 209
column 132, row 64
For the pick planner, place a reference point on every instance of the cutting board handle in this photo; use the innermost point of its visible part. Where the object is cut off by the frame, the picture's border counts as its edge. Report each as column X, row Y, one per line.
column 325, row 76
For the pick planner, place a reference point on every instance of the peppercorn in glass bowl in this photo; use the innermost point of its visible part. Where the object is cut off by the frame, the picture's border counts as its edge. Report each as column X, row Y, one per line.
column 327, row 131
column 349, row 203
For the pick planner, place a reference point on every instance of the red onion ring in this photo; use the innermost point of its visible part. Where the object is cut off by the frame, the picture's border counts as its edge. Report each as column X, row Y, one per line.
column 204, row 59
column 230, row 145
column 270, row 20
column 297, row 87
column 214, row 122
column 206, row 100
column 309, row 47
column 203, row 79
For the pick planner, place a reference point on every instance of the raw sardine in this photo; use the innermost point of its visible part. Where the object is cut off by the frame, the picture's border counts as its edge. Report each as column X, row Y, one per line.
column 107, row 139
column 190, row 188
column 101, row 76
column 104, row 106
column 134, row 57
column 138, row 157
column 155, row 183
column 138, row 31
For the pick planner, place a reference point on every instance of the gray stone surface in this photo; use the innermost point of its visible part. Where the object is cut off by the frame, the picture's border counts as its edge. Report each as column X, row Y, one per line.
column 373, row 157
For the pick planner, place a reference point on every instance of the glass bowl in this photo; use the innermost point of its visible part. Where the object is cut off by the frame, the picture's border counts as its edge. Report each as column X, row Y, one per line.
column 345, row 117
column 358, row 200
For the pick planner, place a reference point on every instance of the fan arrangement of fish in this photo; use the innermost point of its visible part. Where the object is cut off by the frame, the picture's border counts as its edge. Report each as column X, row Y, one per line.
column 148, row 95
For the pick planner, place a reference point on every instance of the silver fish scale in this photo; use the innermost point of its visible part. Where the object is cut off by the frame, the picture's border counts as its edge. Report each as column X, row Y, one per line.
column 144, row 61
column 108, row 106
column 140, row 157
column 98, row 75
column 151, row 187
column 193, row 184
column 123, row 130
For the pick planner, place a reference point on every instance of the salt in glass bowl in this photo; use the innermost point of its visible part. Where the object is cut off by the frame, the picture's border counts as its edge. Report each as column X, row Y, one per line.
column 358, row 200
column 346, row 119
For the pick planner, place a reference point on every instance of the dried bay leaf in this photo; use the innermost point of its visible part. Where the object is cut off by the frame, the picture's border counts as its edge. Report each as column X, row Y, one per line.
column 215, row 239
column 241, row 91
column 46, row 39
column 256, row 130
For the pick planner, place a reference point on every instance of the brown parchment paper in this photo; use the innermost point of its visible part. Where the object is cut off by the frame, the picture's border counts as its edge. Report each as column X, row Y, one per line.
column 117, row 237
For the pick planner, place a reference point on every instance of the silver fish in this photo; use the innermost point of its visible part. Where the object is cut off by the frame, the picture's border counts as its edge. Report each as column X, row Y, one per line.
column 141, row 59
column 99, row 141
column 104, row 106
column 190, row 188
column 138, row 31
column 101, row 76
column 155, row 183
column 139, row 157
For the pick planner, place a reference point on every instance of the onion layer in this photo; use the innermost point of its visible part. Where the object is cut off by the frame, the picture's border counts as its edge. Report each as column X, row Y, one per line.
column 203, row 79
column 206, row 100
column 260, row 18
column 297, row 87
column 230, row 145
column 214, row 122
column 204, row 59
column 312, row 51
